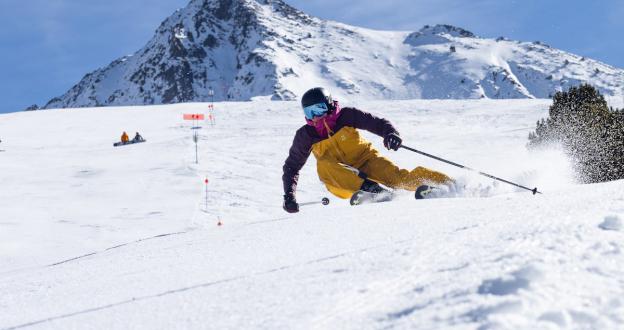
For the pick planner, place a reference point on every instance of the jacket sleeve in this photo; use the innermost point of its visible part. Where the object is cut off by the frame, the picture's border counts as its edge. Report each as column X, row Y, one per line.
column 297, row 157
column 364, row 120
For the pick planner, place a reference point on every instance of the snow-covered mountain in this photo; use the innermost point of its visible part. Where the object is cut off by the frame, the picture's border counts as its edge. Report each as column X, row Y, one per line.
column 241, row 49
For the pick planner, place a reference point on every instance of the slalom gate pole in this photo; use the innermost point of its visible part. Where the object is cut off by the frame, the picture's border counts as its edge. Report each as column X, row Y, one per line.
column 196, row 138
column 534, row 190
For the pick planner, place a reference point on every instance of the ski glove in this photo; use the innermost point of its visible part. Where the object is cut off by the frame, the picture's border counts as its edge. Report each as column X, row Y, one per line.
column 290, row 204
column 392, row 141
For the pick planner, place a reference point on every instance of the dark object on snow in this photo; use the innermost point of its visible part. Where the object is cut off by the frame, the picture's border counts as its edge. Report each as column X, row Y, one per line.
column 534, row 190
column 118, row 144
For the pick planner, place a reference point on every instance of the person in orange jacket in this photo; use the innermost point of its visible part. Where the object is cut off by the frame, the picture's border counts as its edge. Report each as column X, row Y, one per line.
column 124, row 137
column 346, row 162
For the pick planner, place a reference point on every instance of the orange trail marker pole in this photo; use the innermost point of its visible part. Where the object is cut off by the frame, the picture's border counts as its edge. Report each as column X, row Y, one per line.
column 211, row 106
column 206, row 182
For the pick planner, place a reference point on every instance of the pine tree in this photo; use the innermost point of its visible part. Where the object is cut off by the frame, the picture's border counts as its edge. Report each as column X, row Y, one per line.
column 590, row 132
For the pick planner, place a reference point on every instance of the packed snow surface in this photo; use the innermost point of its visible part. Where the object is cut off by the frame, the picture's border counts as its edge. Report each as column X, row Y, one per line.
column 96, row 237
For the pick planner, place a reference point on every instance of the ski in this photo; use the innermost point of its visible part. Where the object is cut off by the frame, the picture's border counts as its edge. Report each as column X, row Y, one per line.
column 423, row 192
column 364, row 197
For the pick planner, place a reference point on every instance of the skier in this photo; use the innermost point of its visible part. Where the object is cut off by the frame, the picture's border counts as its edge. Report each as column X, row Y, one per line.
column 124, row 138
column 346, row 162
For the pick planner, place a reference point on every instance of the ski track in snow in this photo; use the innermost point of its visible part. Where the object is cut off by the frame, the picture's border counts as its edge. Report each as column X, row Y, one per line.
column 100, row 237
column 114, row 247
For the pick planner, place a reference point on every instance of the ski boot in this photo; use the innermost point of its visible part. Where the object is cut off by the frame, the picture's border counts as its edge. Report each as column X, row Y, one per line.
column 371, row 192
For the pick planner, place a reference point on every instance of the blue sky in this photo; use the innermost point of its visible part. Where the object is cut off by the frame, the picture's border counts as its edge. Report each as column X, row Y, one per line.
column 49, row 45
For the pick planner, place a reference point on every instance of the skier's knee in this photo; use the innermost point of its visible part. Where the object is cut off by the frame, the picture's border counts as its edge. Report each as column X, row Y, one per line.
column 339, row 192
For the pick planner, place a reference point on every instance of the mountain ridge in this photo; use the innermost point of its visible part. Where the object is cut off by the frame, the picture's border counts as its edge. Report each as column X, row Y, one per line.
column 242, row 49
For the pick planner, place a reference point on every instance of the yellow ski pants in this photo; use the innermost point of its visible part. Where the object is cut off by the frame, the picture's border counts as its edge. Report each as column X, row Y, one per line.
column 344, row 154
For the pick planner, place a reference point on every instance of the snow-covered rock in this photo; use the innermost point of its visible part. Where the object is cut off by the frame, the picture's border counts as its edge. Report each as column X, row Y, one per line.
column 241, row 49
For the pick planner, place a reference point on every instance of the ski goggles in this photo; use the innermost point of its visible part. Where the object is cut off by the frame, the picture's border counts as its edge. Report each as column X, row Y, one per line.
column 315, row 110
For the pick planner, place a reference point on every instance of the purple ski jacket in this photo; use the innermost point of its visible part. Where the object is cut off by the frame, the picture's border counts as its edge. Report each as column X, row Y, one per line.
column 307, row 135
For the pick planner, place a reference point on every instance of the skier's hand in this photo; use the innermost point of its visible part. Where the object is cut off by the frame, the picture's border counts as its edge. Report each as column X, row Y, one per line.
column 290, row 204
column 392, row 141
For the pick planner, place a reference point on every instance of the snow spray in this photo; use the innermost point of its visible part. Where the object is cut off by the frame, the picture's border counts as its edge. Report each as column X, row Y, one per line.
column 552, row 167
column 534, row 190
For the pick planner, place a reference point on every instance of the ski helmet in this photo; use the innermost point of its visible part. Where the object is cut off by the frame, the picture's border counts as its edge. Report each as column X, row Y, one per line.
column 314, row 96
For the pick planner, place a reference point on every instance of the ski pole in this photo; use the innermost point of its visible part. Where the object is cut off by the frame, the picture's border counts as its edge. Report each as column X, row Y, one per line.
column 324, row 201
column 534, row 190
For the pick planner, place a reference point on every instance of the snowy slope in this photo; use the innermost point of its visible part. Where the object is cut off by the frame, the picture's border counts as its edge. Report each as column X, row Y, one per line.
column 241, row 49
column 98, row 237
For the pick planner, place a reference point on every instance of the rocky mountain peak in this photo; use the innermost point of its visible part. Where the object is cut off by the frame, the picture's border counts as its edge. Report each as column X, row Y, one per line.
column 437, row 34
column 241, row 49
column 227, row 9
column 446, row 29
